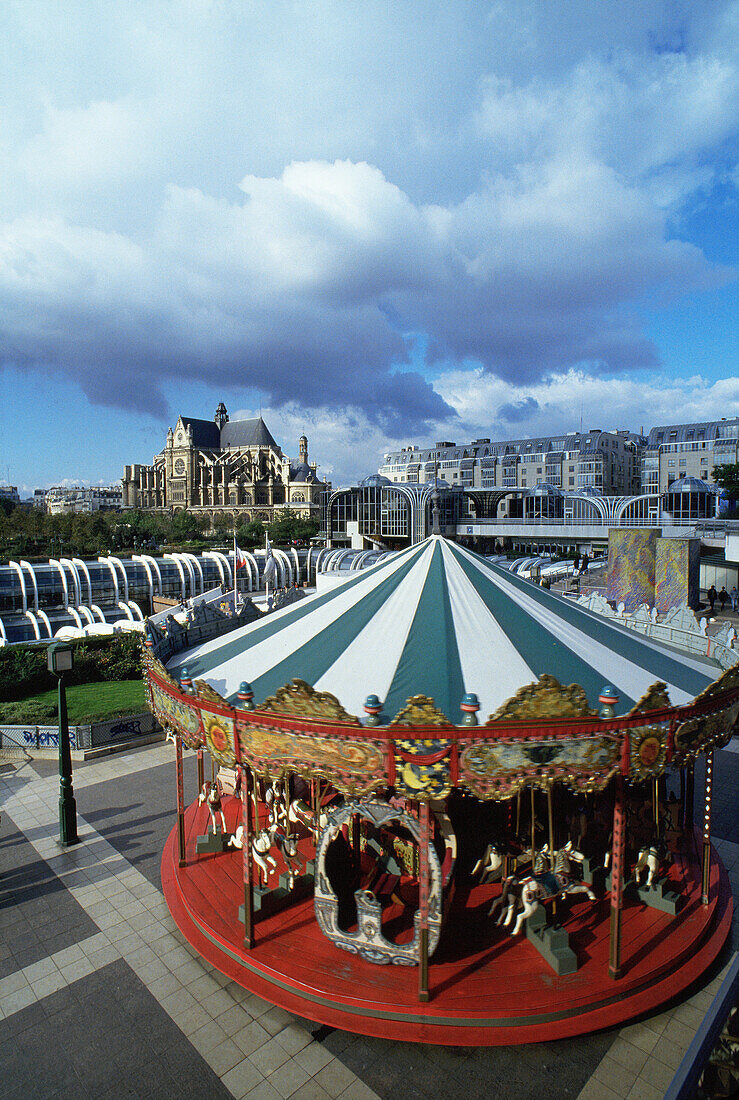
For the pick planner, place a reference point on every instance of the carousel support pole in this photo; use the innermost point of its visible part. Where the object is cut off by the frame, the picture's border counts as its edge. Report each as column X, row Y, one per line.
column 617, row 868
column 707, row 829
column 682, row 797
column 518, row 824
column 201, row 771
column 655, row 805
column 248, row 868
column 212, row 770
column 551, row 826
column 180, row 798
column 423, row 905
column 533, row 829
column 689, row 795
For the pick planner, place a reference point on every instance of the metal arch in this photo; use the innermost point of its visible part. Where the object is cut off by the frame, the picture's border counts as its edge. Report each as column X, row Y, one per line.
column 81, row 565
column 27, row 565
column 83, row 610
column 73, row 612
column 114, row 575
column 24, row 594
column 190, row 572
column 627, row 502
column 155, row 567
column 180, row 570
column 119, row 563
column 253, row 576
column 98, row 611
column 359, row 561
column 63, row 575
column 147, row 570
column 324, row 550
column 45, row 619
column 286, row 566
column 414, row 495
column 221, row 557
column 598, row 503
column 296, row 560
column 124, row 607
column 3, row 635
column 340, row 558
column 135, row 607
column 75, row 579
column 212, row 556
column 34, row 623
column 196, row 562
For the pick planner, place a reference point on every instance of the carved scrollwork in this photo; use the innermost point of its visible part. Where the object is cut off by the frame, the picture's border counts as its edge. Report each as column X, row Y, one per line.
column 205, row 691
column 303, row 701
column 546, row 698
column 654, row 698
column 161, row 673
column 420, row 710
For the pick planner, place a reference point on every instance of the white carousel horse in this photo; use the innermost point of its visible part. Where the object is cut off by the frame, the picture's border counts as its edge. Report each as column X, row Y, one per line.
column 490, row 863
column 260, row 849
column 649, row 860
column 525, row 895
column 212, row 795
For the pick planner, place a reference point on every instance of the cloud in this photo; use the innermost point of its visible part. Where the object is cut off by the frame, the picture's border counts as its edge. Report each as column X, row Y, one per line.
column 184, row 205
column 514, row 412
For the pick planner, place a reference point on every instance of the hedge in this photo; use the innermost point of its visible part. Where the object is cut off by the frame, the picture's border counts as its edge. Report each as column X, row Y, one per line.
column 23, row 668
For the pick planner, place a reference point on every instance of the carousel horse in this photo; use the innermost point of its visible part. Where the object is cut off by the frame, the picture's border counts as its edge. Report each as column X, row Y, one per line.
column 523, row 896
column 490, row 863
column 649, row 859
column 212, row 795
column 268, row 838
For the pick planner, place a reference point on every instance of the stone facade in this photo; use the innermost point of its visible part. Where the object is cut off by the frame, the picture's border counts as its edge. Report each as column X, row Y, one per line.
column 227, row 468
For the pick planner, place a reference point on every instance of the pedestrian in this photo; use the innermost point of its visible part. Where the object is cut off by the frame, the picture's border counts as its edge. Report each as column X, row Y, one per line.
column 723, row 596
column 734, row 598
column 585, row 563
column 576, row 562
column 712, row 596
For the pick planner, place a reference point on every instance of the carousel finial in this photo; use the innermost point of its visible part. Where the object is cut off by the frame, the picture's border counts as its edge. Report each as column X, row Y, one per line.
column 373, row 706
column 185, row 681
column 469, row 706
column 245, row 696
column 608, row 700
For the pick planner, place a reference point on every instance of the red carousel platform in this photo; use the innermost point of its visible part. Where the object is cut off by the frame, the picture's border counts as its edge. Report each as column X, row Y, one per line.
column 486, row 988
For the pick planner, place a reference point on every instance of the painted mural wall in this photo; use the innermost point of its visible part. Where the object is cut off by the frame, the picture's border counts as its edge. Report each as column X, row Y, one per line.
column 677, row 573
column 631, row 567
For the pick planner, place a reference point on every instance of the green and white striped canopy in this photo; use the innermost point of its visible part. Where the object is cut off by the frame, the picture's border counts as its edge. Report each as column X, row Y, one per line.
column 439, row 620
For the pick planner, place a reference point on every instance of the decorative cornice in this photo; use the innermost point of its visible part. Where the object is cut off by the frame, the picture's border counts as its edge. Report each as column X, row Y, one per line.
column 300, row 699
column 420, row 710
column 546, row 698
column 654, row 698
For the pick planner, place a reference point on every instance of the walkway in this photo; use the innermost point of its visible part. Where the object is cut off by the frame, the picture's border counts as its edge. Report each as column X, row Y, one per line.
column 100, row 993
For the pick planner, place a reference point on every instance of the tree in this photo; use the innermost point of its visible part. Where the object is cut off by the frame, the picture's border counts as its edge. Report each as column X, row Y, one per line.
column 290, row 527
column 727, row 476
column 251, row 533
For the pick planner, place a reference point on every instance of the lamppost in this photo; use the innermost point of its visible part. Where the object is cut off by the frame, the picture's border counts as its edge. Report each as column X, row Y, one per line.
column 59, row 660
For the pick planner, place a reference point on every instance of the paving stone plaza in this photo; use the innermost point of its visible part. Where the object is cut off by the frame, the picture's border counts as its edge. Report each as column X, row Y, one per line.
column 101, row 996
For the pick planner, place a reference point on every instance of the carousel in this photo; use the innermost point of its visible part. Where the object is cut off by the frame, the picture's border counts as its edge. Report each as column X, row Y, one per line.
column 444, row 805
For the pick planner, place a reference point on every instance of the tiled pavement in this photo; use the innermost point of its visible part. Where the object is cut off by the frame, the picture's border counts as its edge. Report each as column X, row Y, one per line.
column 101, row 996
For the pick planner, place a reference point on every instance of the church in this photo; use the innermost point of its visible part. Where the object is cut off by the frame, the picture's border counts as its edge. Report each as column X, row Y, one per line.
column 228, row 468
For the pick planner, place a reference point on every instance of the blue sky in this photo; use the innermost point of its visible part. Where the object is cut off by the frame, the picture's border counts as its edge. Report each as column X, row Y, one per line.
column 376, row 223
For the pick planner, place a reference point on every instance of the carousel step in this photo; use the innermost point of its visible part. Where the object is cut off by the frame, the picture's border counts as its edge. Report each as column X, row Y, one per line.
column 659, row 896
column 268, row 901
column 211, row 842
column 552, row 943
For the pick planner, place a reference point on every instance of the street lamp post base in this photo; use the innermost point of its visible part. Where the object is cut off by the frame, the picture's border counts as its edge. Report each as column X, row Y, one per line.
column 68, row 822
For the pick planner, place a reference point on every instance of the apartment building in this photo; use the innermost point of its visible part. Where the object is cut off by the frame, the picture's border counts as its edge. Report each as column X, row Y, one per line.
column 674, row 451
column 608, row 462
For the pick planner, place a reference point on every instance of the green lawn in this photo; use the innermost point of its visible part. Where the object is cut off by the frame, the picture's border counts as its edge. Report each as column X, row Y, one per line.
column 85, row 703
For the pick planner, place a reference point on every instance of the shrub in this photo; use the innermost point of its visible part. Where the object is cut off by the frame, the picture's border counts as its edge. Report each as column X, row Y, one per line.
column 23, row 669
